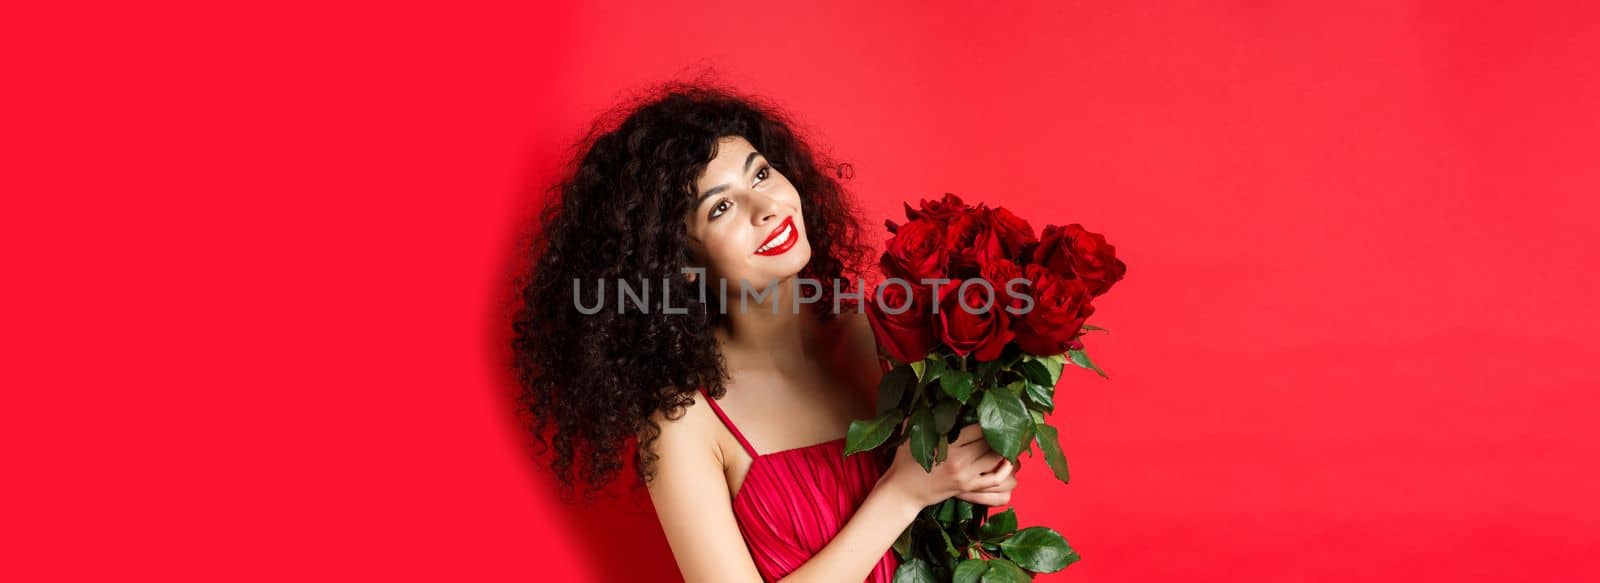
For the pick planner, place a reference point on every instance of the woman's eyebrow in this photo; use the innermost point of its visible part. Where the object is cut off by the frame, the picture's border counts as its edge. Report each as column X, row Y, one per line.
column 721, row 187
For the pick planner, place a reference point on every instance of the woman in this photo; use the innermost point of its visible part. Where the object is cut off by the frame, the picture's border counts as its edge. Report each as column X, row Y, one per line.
column 692, row 189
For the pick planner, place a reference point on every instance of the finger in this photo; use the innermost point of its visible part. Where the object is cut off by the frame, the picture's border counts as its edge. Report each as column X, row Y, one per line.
column 986, row 498
column 970, row 452
column 993, row 477
column 999, row 473
column 977, row 439
column 1006, row 485
column 984, row 463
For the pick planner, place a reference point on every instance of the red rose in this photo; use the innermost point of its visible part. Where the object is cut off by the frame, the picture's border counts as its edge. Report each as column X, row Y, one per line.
column 983, row 334
column 1073, row 252
column 971, row 243
column 908, row 335
column 1060, row 306
column 1000, row 271
column 940, row 211
column 1013, row 232
column 916, row 251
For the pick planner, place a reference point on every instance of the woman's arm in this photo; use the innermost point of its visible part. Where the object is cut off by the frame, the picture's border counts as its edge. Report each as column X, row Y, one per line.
column 691, row 498
column 858, row 547
column 970, row 470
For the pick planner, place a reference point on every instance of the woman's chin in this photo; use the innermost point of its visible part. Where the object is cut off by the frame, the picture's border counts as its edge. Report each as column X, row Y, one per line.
column 792, row 263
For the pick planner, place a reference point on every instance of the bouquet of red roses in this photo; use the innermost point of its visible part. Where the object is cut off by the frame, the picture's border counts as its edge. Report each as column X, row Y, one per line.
column 979, row 316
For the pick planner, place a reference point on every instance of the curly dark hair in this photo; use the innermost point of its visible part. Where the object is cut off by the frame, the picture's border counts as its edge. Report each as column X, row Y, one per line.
column 618, row 212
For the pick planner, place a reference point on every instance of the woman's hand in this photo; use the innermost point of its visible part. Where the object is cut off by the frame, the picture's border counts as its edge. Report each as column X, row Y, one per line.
column 971, row 471
column 1000, row 493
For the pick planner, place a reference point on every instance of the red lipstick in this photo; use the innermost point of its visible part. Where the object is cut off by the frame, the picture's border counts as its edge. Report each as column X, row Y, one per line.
column 780, row 239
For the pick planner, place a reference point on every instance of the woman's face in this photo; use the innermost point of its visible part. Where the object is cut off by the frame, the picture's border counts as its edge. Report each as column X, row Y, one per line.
column 746, row 222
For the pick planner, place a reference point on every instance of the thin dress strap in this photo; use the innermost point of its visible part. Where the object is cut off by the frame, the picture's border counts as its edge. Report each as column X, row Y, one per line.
column 725, row 421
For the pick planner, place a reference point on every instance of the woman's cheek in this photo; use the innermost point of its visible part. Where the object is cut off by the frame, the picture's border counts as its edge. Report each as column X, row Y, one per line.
column 729, row 249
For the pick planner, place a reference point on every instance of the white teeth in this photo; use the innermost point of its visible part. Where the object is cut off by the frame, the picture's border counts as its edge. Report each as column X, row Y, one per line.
column 783, row 237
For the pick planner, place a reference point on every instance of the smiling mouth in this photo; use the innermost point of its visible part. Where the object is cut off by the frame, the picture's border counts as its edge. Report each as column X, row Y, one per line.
column 780, row 240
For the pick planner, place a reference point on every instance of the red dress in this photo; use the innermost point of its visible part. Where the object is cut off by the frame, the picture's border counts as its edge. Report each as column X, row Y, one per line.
column 792, row 502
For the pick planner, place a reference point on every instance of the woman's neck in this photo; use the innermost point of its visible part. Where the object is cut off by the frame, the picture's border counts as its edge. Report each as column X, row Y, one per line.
column 758, row 334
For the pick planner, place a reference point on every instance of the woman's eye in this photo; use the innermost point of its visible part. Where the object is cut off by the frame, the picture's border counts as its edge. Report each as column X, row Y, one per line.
column 762, row 173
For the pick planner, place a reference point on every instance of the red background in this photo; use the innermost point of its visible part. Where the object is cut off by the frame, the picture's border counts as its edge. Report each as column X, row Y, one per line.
column 257, row 259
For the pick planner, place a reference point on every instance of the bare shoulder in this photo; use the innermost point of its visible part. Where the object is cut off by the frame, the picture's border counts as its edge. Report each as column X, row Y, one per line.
column 689, row 433
column 690, row 496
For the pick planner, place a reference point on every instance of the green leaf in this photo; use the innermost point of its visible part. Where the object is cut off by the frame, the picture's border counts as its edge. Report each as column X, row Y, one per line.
column 963, row 509
column 892, row 389
column 949, row 546
column 1050, row 444
column 902, row 545
column 1081, row 358
column 1006, row 423
column 958, row 533
column 968, row 416
column 867, row 434
column 988, row 368
column 957, row 384
column 1003, row 571
column 970, row 570
column 1035, row 372
column 999, row 525
column 1016, row 387
column 1039, row 549
column 1040, row 396
column 944, row 415
column 914, row 571
column 944, row 420
column 923, row 435
column 1053, row 363
column 1094, row 328
column 919, row 367
column 936, row 367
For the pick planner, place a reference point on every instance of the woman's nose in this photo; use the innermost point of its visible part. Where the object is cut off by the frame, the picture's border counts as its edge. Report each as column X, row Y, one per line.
column 767, row 208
